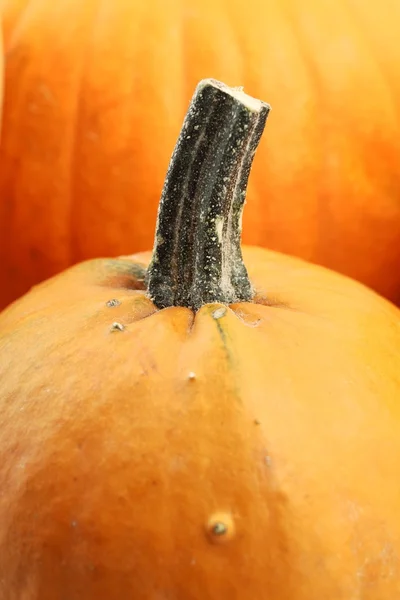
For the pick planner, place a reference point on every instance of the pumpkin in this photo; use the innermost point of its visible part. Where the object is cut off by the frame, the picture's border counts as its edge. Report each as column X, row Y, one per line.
column 178, row 425
column 1, row 73
column 1, row 89
column 96, row 93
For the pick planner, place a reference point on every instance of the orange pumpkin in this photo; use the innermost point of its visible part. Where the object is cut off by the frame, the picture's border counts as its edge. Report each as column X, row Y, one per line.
column 230, row 440
column 1, row 74
column 96, row 93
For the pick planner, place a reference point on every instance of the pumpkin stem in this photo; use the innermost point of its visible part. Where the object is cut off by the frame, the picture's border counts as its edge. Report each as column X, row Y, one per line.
column 197, row 257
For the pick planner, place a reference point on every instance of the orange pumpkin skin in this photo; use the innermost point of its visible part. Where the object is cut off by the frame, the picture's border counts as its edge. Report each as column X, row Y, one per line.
column 1, row 73
column 122, row 449
column 101, row 87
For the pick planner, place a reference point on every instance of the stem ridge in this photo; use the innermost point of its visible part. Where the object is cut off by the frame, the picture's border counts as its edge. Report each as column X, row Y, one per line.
column 197, row 257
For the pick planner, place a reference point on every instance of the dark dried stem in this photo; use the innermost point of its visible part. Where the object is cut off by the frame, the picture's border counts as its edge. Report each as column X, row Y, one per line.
column 197, row 257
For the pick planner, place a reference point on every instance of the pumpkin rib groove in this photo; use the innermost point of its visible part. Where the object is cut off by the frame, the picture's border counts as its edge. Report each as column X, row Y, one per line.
column 369, row 46
column 76, row 129
column 239, row 38
column 184, row 37
column 323, row 209
column 16, row 25
column 312, row 81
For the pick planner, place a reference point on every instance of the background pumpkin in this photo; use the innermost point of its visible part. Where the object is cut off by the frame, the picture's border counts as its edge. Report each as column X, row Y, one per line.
column 241, row 452
column 101, row 86
column 1, row 74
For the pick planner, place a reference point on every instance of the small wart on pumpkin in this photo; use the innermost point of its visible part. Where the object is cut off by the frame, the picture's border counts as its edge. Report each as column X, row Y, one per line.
column 113, row 302
column 220, row 528
column 217, row 314
column 117, row 327
column 192, row 376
